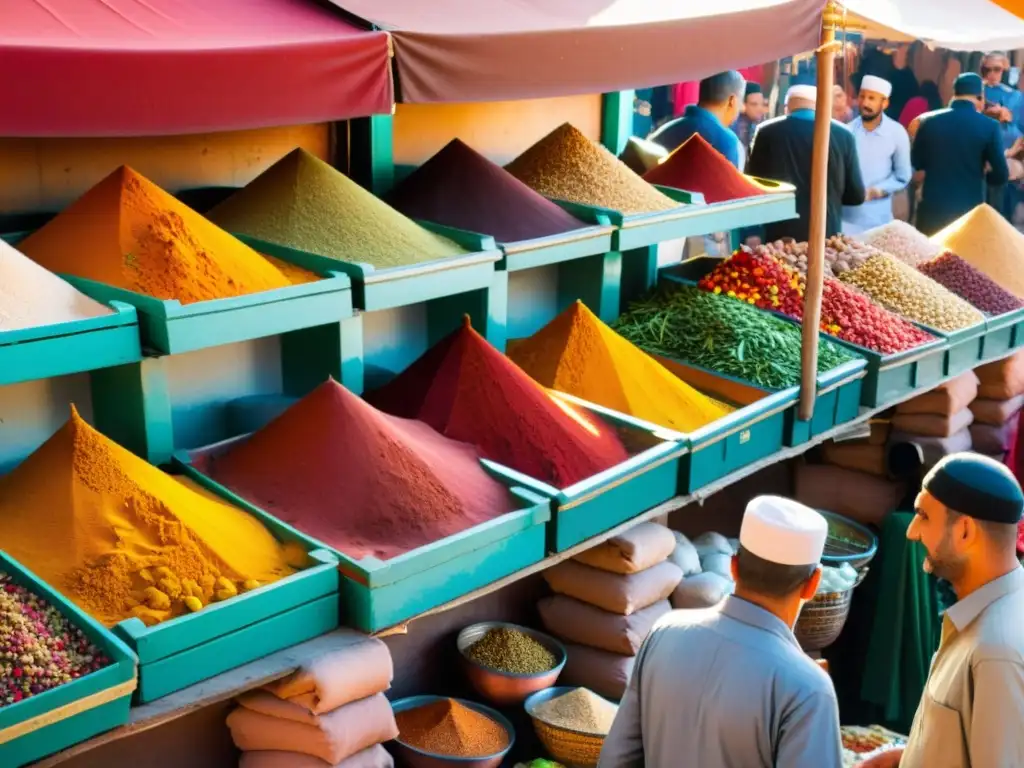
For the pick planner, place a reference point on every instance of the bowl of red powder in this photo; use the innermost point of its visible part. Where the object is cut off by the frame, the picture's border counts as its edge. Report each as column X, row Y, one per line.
column 434, row 731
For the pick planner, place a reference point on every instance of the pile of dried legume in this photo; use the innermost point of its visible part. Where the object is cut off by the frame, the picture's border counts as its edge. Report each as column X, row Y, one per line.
column 841, row 254
column 511, row 651
column 904, row 290
column 850, row 315
column 899, row 239
column 579, row 710
column 758, row 279
column 39, row 649
column 729, row 337
column 446, row 727
column 970, row 284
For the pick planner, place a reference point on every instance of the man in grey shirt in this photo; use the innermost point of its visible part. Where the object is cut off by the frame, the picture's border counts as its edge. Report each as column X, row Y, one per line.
column 972, row 710
column 729, row 687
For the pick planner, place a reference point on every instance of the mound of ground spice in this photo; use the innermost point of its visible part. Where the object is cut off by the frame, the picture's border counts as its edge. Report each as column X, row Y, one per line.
column 129, row 233
column 988, row 242
column 567, row 165
column 459, row 187
column 509, row 650
column 970, row 284
column 579, row 710
column 121, row 538
column 464, row 388
column 303, row 203
column 361, row 481
column 31, row 296
column 696, row 166
column 578, row 354
column 446, row 727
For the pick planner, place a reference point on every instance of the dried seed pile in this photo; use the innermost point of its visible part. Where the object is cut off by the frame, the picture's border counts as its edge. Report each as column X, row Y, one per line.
column 729, row 337
column 758, row 279
column 853, row 317
column 580, row 710
column 904, row 290
column 899, row 239
column 566, row 165
column 446, row 727
column 970, row 284
column 842, row 253
column 511, row 651
column 987, row 241
column 39, row 649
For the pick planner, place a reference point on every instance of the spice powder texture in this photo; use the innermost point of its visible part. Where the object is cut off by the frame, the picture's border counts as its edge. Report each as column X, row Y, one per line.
column 696, row 166
column 580, row 710
column 464, row 388
column 509, row 650
column 129, row 233
column 303, row 203
column 578, row 354
column 122, row 539
column 446, row 727
column 361, row 481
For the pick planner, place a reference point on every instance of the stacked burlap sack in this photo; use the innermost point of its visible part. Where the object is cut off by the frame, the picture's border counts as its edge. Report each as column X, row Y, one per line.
column 853, row 480
column 997, row 407
column 939, row 421
column 606, row 601
column 332, row 712
column 706, row 563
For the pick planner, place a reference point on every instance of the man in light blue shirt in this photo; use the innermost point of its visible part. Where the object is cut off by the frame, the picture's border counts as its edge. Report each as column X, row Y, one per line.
column 884, row 151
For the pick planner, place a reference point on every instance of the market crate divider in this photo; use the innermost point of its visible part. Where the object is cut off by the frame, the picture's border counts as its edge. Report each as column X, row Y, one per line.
column 75, row 711
column 377, row 593
column 43, row 352
column 964, row 348
column 1004, row 333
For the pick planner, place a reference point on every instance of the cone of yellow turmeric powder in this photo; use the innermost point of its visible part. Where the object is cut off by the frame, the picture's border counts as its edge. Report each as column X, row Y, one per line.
column 130, row 234
column 120, row 538
column 578, row 354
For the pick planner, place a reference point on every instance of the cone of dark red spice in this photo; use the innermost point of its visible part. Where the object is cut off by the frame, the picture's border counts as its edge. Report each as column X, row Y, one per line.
column 458, row 187
column 467, row 390
column 696, row 166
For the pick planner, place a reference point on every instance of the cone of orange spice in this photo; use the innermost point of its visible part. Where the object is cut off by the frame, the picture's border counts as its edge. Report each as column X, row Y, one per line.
column 446, row 727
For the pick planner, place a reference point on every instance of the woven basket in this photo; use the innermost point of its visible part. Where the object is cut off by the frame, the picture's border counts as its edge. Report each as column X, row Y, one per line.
column 822, row 619
column 569, row 747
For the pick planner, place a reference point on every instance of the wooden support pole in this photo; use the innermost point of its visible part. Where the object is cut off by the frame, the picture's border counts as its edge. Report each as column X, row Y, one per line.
column 830, row 19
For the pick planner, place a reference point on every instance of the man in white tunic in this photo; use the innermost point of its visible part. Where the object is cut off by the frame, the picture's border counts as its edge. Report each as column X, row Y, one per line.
column 884, row 151
column 729, row 687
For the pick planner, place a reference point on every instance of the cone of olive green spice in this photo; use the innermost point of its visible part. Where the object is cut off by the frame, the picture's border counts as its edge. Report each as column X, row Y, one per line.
column 510, row 651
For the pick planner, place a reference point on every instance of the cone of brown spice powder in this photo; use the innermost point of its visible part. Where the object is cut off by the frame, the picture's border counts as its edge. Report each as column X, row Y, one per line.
column 446, row 727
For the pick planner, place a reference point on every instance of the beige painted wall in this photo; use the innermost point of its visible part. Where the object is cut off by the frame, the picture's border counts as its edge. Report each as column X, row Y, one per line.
column 500, row 130
column 47, row 174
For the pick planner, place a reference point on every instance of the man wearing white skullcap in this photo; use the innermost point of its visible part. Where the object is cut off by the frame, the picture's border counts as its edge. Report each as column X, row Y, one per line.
column 883, row 148
column 729, row 685
column 781, row 149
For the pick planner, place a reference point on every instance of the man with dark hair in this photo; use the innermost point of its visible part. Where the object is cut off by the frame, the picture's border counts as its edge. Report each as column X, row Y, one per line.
column 717, row 107
column 754, row 109
column 970, row 715
column 729, row 685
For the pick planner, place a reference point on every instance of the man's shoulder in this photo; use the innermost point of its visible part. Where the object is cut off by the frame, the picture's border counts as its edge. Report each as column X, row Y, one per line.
column 774, row 124
column 935, row 114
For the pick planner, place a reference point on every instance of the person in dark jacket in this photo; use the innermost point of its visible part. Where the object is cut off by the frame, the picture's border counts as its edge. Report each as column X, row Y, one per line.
column 952, row 150
column 782, row 150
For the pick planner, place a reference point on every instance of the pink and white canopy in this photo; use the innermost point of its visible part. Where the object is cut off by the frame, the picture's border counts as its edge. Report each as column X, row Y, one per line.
column 959, row 25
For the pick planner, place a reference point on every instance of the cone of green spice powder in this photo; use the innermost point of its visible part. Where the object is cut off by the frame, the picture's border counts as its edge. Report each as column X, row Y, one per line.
column 508, row 650
column 302, row 202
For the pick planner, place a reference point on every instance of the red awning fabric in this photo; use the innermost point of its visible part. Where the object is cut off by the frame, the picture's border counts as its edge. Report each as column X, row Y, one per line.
column 132, row 68
column 471, row 50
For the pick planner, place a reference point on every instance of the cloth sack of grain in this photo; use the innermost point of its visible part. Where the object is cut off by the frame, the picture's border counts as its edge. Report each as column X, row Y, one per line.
column 858, row 455
column 880, row 429
column 934, row 449
column 716, row 562
column 265, row 722
column 992, row 440
column 577, row 622
column 359, row 669
column 1002, row 379
column 373, row 757
column 996, row 412
column 946, row 399
column 605, row 673
column 618, row 593
column 701, row 591
column 931, row 424
column 685, row 555
column 712, row 542
column 635, row 550
column 858, row 495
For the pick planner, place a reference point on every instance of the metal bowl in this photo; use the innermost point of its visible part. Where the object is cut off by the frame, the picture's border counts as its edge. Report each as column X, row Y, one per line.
column 506, row 688
column 419, row 758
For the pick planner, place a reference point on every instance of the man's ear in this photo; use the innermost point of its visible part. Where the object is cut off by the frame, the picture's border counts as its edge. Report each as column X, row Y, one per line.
column 810, row 587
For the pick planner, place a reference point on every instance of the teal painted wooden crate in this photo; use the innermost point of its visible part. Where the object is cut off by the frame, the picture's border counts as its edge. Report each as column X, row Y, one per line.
column 752, row 432
column 89, row 344
column 189, row 649
column 74, row 712
column 963, row 350
column 893, row 377
column 618, row 494
column 170, row 327
column 1003, row 334
column 376, row 594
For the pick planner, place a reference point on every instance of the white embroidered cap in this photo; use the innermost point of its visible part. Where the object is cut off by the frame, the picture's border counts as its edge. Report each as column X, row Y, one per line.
column 783, row 531
column 876, row 84
column 807, row 92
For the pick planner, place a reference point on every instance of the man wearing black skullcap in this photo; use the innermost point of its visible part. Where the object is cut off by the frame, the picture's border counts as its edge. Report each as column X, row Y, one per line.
column 754, row 110
column 972, row 709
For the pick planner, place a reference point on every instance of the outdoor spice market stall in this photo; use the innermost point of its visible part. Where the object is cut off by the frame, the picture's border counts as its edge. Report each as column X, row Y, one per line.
column 249, row 415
